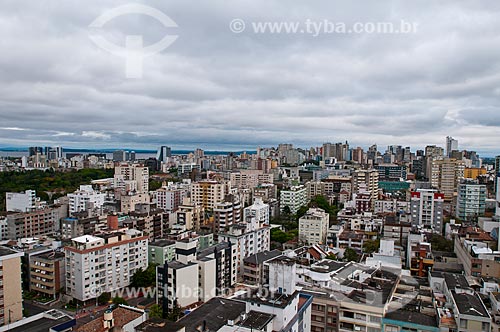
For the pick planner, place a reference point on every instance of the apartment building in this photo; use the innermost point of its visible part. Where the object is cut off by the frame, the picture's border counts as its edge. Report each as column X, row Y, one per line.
column 258, row 210
column 208, row 193
column 152, row 221
column 131, row 178
column 248, row 179
column 33, row 224
column 21, row 202
column 391, row 172
column 471, row 200
column 255, row 269
column 446, row 175
column 367, row 180
column 47, row 273
column 169, row 198
column 426, row 209
column 190, row 215
column 473, row 249
column 195, row 276
column 129, row 201
column 266, row 191
column 248, row 238
column 81, row 224
column 313, row 226
column 161, row 251
column 294, row 198
column 227, row 213
column 85, row 198
column 11, row 294
column 104, row 262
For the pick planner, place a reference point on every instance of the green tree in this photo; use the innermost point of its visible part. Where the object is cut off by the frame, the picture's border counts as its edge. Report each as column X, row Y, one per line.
column 104, row 298
column 145, row 278
column 301, row 212
column 440, row 243
column 176, row 312
column 350, row 255
column 371, row 246
column 155, row 311
column 119, row 300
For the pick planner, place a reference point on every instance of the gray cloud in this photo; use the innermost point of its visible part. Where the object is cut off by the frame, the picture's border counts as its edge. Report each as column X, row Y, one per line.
column 216, row 89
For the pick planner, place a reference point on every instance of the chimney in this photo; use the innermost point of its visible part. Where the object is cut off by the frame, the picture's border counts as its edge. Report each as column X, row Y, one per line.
column 108, row 320
column 112, row 222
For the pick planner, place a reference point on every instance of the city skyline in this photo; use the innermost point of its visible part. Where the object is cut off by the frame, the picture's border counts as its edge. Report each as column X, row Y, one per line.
column 218, row 89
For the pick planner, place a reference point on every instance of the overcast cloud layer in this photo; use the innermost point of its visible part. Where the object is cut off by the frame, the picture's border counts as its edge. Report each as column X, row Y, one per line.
column 216, row 89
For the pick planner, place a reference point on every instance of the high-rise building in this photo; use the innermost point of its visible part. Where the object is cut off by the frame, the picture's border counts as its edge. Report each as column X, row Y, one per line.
column 21, row 202
column 131, row 178
column 34, row 150
column 446, row 175
column 85, row 198
column 164, row 152
column 368, row 180
column 104, row 262
column 32, row 224
column 294, row 198
column 426, row 209
column 227, row 213
column 208, row 193
column 432, row 152
column 11, row 294
column 258, row 210
column 195, row 276
column 53, row 152
column 313, row 227
column 471, row 200
column 451, row 145
column 47, row 273
column 119, row 155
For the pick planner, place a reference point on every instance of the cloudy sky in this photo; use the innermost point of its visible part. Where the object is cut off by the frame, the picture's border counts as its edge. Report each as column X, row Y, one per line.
column 216, row 89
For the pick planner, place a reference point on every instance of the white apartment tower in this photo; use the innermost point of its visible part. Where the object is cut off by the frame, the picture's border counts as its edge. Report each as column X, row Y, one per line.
column 84, row 198
column 21, row 202
column 294, row 198
column 104, row 263
column 313, row 227
column 258, row 210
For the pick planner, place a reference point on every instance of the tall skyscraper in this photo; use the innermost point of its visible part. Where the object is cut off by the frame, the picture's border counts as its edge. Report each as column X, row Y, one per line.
column 164, row 152
column 451, row 145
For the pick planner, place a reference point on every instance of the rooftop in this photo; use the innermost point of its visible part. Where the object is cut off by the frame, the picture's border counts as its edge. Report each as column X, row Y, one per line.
column 456, row 281
column 4, row 251
column 470, row 304
column 262, row 257
column 272, row 299
column 257, row 320
column 159, row 325
column 46, row 321
column 214, row 313
column 121, row 316
column 412, row 317
column 162, row 243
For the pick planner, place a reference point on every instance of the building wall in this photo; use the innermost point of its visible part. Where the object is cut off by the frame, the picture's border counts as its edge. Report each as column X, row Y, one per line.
column 12, row 292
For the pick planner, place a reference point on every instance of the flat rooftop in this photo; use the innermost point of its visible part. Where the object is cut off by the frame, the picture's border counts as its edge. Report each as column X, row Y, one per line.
column 412, row 317
column 49, row 320
column 257, row 320
column 214, row 314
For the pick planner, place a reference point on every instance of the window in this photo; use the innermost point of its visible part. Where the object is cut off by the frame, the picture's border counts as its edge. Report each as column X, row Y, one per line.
column 391, row 328
column 463, row 323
